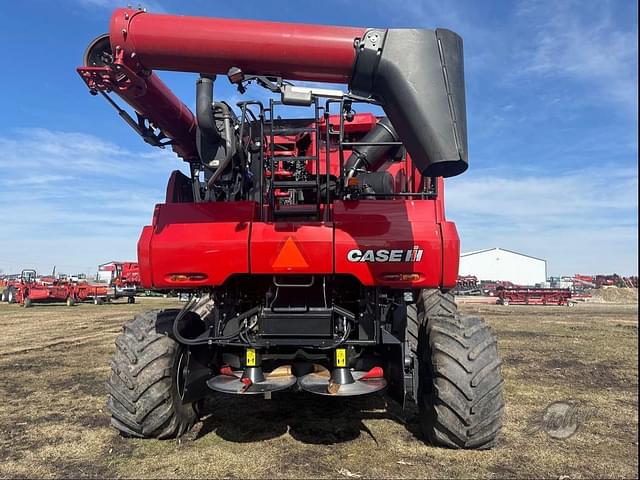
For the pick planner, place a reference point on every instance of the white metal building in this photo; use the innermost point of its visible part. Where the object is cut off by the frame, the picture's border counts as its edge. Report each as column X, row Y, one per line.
column 504, row 265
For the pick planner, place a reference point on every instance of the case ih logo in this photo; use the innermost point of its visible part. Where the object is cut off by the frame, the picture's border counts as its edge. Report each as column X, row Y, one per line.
column 412, row 255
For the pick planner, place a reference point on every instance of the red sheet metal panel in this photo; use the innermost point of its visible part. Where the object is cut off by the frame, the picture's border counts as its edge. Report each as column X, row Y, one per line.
column 196, row 244
column 292, row 248
column 451, row 254
column 393, row 242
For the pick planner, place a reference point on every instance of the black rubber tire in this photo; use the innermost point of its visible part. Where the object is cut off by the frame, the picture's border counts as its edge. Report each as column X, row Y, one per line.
column 28, row 303
column 70, row 302
column 3, row 295
column 11, row 295
column 143, row 393
column 460, row 384
column 131, row 300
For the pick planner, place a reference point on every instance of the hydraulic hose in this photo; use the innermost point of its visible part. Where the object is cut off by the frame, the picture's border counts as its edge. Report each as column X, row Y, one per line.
column 205, row 338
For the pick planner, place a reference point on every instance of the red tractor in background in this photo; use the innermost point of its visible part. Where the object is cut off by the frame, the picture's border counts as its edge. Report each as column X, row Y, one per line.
column 6, row 282
column 316, row 249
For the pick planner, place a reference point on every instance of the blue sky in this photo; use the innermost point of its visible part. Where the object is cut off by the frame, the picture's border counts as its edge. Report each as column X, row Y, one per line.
column 552, row 110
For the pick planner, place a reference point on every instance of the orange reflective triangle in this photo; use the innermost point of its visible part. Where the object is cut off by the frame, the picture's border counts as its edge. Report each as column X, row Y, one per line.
column 290, row 256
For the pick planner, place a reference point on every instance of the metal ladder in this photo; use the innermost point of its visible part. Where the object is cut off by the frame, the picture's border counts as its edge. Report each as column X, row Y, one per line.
column 307, row 210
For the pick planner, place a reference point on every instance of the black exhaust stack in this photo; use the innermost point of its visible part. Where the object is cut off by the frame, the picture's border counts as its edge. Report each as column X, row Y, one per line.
column 215, row 138
column 418, row 76
column 204, row 103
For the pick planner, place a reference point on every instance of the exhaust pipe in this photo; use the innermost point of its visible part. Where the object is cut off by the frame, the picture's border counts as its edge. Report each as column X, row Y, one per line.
column 204, row 103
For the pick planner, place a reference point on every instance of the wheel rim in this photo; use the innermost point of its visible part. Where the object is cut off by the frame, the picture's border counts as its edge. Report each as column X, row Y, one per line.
column 181, row 372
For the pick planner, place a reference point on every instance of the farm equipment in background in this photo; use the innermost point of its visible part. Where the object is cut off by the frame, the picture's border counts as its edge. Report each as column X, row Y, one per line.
column 316, row 250
column 616, row 280
column 30, row 288
column 534, row 296
column 467, row 285
column 7, row 287
column 490, row 287
column 582, row 283
column 123, row 279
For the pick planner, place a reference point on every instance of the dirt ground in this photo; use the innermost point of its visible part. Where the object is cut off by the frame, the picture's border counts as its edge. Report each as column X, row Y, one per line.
column 54, row 361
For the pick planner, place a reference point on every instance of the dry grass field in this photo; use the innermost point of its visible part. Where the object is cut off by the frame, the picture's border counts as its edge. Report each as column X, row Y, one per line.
column 54, row 361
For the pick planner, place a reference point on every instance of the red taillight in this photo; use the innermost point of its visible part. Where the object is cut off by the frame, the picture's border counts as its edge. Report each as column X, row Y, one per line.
column 401, row 277
column 186, row 277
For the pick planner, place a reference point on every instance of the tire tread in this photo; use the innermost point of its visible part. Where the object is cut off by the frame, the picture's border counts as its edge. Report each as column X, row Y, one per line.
column 141, row 397
column 461, row 401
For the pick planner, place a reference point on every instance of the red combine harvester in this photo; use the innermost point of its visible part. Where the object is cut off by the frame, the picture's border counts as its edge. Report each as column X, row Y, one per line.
column 316, row 250
column 534, row 296
column 123, row 279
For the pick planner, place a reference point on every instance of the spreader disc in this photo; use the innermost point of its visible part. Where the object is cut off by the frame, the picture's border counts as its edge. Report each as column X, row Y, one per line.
column 319, row 384
column 229, row 384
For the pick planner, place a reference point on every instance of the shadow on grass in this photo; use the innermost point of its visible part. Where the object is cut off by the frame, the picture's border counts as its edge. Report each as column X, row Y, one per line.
column 308, row 418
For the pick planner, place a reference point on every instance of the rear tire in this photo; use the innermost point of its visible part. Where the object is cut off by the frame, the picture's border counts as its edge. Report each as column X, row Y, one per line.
column 4, row 295
column 460, row 383
column 11, row 295
column 143, row 399
column 70, row 302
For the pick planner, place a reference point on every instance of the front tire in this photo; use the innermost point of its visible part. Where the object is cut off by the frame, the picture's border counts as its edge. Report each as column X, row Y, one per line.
column 28, row 303
column 144, row 398
column 460, row 383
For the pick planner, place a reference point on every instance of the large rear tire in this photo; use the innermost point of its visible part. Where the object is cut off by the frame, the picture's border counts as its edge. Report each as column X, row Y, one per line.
column 11, row 295
column 3, row 295
column 460, row 383
column 144, row 398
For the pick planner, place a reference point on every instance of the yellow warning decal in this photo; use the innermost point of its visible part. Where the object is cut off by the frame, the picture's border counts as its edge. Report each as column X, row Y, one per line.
column 251, row 357
column 341, row 357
